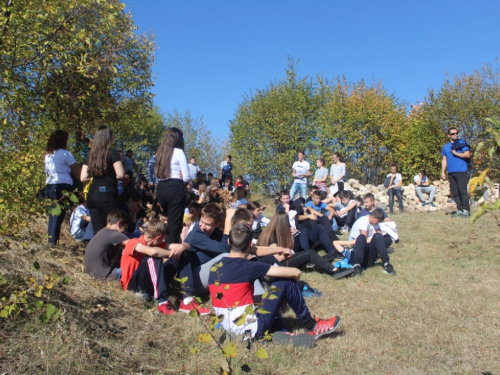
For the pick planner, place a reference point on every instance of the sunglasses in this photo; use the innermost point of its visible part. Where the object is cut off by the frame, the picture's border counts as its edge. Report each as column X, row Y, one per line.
column 453, row 133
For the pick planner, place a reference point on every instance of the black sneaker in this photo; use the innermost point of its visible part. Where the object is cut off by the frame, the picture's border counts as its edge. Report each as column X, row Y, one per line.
column 357, row 270
column 388, row 269
column 296, row 339
column 342, row 272
column 390, row 250
column 310, row 266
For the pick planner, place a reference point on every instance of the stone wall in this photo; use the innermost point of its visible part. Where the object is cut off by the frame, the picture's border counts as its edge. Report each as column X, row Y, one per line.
column 410, row 198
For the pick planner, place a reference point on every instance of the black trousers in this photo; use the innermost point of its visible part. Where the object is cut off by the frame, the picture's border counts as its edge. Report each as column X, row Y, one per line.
column 101, row 200
column 300, row 259
column 172, row 198
column 458, row 189
column 366, row 253
column 347, row 220
column 54, row 191
column 308, row 237
column 153, row 275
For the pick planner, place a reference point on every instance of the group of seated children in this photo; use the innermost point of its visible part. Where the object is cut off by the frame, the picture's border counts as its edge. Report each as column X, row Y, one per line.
column 247, row 251
column 141, row 268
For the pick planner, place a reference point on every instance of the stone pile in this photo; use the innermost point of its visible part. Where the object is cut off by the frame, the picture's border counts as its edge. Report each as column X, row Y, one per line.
column 410, row 199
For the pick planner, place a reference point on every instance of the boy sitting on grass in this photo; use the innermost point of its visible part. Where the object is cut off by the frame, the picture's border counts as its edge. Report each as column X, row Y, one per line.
column 103, row 252
column 365, row 251
column 231, row 290
column 144, row 271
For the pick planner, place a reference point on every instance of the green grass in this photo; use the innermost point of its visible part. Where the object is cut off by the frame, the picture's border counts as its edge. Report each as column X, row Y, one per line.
column 439, row 315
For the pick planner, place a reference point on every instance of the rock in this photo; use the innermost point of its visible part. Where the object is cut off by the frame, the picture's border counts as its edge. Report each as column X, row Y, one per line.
column 411, row 201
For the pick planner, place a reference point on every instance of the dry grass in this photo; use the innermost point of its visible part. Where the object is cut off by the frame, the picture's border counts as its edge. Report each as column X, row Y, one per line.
column 440, row 314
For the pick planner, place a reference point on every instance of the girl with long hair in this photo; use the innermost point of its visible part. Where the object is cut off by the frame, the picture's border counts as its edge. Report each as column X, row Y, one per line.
column 239, row 197
column 278, row 232
column 105, row 167
column 202, row 188
column 259, row 220
column 172, row 172
column 59, row 164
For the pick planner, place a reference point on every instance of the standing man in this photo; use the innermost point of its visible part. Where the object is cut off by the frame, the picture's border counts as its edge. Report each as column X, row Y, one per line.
column 150, row 172
column 456, row 158
column 129, row 163
column 395, row 185
column 193, row 168
column 301, row 170
column 226, row 169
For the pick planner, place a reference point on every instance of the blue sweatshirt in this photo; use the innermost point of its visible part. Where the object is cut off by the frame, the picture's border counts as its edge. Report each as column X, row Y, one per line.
column 205, row 247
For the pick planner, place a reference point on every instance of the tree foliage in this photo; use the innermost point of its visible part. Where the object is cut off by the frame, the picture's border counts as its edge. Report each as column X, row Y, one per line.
column 69, row 64
column 363, row 123
column 199, row 142
column 465, row 102
column 270, row 126
column 480, row 183
column 370, row 127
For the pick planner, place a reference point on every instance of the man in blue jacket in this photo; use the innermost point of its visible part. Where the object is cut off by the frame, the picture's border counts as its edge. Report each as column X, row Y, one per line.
column 456, row 158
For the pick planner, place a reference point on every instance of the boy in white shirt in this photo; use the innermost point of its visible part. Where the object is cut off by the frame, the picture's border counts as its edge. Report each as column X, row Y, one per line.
column 395, row 185
column 301, row 170
column 366, row 252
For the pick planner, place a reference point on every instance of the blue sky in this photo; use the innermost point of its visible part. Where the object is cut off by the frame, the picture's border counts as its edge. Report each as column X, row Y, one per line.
column 211, row 53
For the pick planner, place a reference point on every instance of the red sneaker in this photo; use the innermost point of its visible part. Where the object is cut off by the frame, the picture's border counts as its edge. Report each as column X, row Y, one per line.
column 165, row 309
column 324, row 327
column 193, row 306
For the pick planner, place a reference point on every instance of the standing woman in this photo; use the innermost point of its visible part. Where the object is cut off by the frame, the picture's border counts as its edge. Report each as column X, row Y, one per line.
column 59, row 163
column 172, row 171
column 105, row 167
column 337, row 174
column 321, row 175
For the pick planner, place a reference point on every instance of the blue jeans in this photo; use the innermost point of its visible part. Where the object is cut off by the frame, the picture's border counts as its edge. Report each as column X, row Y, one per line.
column 54, row 191
column 398, row 194
column 295, row 187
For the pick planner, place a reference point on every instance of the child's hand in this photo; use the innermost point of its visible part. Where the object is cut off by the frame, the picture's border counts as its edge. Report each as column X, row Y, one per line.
column 176, row 250
column 287, row 253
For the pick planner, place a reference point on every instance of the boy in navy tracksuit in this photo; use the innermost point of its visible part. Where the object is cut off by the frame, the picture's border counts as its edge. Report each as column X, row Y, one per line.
column 231, row 290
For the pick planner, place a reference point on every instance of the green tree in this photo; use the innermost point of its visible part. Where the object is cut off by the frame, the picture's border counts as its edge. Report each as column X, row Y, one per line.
column 363, row 123
column 420, row 145
column 68, row 64
column 72, row 65
column 465, row 102
column 270, row 126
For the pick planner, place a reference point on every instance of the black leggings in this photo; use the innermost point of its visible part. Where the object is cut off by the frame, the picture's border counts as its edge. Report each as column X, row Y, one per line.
column 348, row 220
column 101, row 200
column 300, row 259
column 171, row 195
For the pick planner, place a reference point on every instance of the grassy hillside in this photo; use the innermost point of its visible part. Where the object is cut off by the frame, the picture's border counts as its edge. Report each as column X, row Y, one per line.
column 440, row 314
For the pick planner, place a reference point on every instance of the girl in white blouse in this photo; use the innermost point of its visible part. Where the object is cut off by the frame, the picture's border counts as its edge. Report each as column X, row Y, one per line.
column 172, row 172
